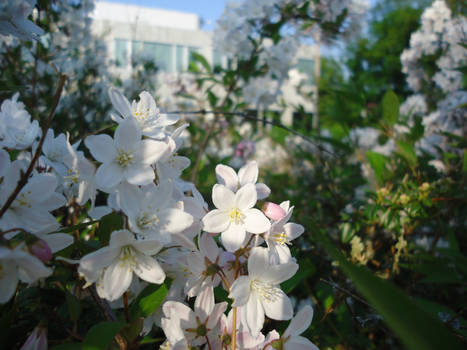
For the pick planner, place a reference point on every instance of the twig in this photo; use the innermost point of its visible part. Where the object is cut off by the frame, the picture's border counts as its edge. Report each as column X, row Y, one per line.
column 356, row 297
column 252, row 117
column 24, row 178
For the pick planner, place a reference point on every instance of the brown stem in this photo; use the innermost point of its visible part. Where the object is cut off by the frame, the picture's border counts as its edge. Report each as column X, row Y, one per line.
column 127, row 310
column 25, row 176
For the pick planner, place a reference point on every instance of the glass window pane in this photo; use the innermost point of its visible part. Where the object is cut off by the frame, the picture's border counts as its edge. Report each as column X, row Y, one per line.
column 160, row 54
column 121, row 52
column 180, row 61
column 306, row 66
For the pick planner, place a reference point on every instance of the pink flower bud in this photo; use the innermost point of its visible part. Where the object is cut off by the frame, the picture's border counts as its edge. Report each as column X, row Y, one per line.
column 41, row 250
column 273, row 211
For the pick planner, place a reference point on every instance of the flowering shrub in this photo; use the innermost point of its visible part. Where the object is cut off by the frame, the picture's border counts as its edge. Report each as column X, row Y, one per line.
column 104, row 244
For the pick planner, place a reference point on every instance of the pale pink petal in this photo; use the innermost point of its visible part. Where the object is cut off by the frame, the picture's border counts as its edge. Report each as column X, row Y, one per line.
column 240, row 291
column 245, row 198
column 248, row 173
column 216, row 221
column 148, row 269
column 227, row 176
column 108, row 175
column 222, row 197
column 208, row 247
column 216, row 314
column 101, row 147
column 232, row 238
column 204, row 303
column 128, row 135
column 300, row 322
column 256, row 221
column 117, row 279
column 278, row 308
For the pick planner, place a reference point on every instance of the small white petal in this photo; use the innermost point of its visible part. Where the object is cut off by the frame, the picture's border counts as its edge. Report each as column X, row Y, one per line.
column 139, row 174
column 254, row 315
column 148, row 269
column 216, row 221
column 117, row 279
column 246, row 197
column 233, row 238
column 299, row 343
column 120, row 102
column 280, row 308
column 300, row 322
column 256, row 221
column 108, row 175
column 150, row 151
column 222, row 197
column 226, row 176
column 248, row 173
column 240, row 291
column 128, row 135
column 293, row 230
column 262, row 191
column 101, row 147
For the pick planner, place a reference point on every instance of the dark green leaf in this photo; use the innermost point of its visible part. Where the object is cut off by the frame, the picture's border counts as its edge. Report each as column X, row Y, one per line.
column 68, row 346
column 306, row 269
column 101, row 335
column 390, row 107
column 417, row 329
column 74, row 306
column 108, row 224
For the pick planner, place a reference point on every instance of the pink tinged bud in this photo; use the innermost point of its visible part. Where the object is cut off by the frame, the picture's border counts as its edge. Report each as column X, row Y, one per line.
column 273, row 211
column 41, row 250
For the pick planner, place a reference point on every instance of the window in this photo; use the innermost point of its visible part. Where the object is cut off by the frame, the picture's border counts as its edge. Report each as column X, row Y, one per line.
column 121, row 52
column 306, row 66
column 180, row 65
column 161, row 54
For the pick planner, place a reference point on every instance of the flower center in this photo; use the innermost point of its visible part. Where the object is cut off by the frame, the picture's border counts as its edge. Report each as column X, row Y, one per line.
column 73, row 176
column 23, row 201
column 127, row 256
column 124, row 158
column 147, row 220
column 236, row 216
column 267, row 291
column 280, row 238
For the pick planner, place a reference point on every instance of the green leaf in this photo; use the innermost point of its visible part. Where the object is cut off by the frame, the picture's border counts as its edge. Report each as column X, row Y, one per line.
column 133, row 330
column 201, row 59
column 378, row 164
column 407, row 151
column 390, row 107
column 464, row 164
column 149, row 300
column 417, row 329
column 108, row 224
column 101, row 335
column 68, row 346
column 74, row 306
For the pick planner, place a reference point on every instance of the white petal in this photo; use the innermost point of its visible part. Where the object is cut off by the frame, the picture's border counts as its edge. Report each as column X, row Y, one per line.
column 216, row 314
column 293, row 230
column 246, row 197
column 233, row 238
column 150, row 151
column 208, row 247
column 262, row 191
column 175, row 220
column 248, row 173
column 148, row 269
column 300, row 322
column 299, row 343
column 128, row 135
column 227, row 176
column 58, row 241
column 280, row 308
column 31, row 269
column 240, row 291
column 222, row 197
column 120, row 102
column 92, row 264
column 40, row 187
column 204, row 303
column 129, row 198
column 117, row 279
column 216, row 221
column 276, row 274
column 108, row 175
column 254, row 315
column 8, row 280
column 258, row 262
column 101, row 147
column 147, row 246
column 256, row 221
column 139, row 174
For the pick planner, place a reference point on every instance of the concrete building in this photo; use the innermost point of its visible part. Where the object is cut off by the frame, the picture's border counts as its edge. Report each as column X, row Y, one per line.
column 166, row 36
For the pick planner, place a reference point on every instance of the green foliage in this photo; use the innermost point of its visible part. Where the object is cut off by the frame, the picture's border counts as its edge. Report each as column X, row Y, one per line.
column 101, row 335
column 149, row 300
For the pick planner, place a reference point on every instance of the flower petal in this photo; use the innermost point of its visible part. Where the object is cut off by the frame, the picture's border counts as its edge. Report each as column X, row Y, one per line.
column 148, row 269
column 108, row 175
column 175, row 220
column 293, row 230
column 128, row 135
column 279, row 308
column 140, row 174
column 233, row 238
column 222, row 197
column 204, row 303
column 248, row 173
column 246, row 197
column 299, row 343
column 254, row 315
column 227, row 176
column 240, row 291
column 120, row 102
column 101, row 147
column 256, row 221
column 216, row 221
column 258, row 262
column 150, row 151
column 262, row 191
column 300, row 322
column 117, row 279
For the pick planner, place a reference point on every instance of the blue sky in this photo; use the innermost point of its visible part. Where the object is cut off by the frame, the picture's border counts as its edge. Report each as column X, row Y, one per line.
column 208, row 10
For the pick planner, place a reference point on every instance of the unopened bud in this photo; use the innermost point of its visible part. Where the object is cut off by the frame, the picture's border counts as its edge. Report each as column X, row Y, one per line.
column 273, row 211
column 41, row 250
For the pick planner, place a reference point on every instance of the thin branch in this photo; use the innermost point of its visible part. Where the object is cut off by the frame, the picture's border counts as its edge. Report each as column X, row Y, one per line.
column 25, row 176
column 252, row 117
column 356, row 297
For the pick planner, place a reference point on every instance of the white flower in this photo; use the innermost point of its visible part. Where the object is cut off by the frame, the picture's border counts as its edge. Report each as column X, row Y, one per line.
column 112, row 267
column 126, row 157
column 235, row 215
column 16, row 264
column 259, row 292
column 152, row 212
column 14, row 19
column 281, row 233
column 149, row 118
column 247, row 174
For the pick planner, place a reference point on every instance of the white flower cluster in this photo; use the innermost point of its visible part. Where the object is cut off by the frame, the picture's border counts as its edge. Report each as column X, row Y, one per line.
column 14, row 19
column 440, row 34
column 140, row 171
